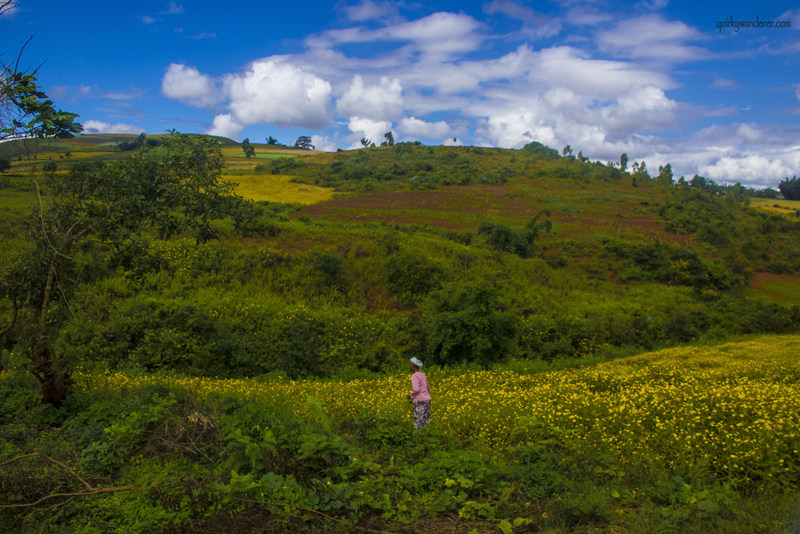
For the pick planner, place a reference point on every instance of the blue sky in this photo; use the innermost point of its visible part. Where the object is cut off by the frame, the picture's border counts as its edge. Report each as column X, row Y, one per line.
column 661, row 80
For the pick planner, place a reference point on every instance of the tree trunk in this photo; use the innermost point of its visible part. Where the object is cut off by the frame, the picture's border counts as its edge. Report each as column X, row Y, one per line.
column 54, row 382
column 6, row 330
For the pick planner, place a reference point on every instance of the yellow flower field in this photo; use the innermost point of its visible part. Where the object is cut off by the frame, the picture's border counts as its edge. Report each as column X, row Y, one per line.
column 278, row 188
column 732, row 410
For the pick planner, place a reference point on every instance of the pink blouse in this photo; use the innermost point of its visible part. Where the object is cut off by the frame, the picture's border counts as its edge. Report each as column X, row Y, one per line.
column 419, row 387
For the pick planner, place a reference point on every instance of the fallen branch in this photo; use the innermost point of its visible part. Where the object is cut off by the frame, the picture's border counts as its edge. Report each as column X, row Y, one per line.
column 89, row 489
column 94, row 491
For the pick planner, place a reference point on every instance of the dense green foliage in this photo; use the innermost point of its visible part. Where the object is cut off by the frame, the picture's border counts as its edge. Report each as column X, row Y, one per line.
column 265, row 290
column 790, row 188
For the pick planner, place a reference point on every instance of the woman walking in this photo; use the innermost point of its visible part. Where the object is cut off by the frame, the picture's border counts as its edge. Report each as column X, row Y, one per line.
column 420, row 394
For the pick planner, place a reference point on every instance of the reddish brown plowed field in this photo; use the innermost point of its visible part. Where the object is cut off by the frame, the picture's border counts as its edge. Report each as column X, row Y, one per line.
column 780, row 287
column 464, row 207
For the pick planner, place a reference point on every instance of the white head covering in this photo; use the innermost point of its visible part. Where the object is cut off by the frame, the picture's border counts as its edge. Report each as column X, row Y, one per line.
column 416, row 362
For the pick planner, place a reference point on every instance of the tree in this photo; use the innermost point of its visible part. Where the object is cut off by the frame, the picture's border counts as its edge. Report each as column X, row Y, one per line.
column 566, row 151
column 664, row 174
column 304, row 142
column 5, row 164
column 790, row 189
column 99, row 207
column 520, row 242
column 623, row 161
column 389, row 139
column 366, row 142
column 640, row 171
column 249, row 150
column 25, row 110
column 537, row 149
column 272, row 141
column 698, row 182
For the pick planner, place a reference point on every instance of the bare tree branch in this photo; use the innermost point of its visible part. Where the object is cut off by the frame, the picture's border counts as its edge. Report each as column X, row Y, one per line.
column 71, row 496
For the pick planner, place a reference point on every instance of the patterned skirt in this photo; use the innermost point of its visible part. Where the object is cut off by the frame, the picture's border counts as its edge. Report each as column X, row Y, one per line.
column 422, row 413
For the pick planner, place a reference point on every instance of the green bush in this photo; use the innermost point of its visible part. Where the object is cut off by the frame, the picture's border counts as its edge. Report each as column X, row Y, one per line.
column 411, row 276
column 464, row 324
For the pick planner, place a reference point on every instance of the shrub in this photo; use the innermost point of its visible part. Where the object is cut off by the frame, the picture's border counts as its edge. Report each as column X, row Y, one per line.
column 412, row 275
column 464, row 324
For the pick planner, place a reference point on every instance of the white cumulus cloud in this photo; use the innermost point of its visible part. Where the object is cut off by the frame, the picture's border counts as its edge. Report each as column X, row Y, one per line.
column 642, row 108
column 225, row 126
column 414, row 127
column 323, row 143
column 189, row 86
column 517, row 128
column 276, row 92
column 381, row 101
column 371, row 129
column 747, row 169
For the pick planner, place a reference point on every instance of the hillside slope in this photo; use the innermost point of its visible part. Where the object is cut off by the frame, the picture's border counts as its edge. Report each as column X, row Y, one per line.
column 457, row 254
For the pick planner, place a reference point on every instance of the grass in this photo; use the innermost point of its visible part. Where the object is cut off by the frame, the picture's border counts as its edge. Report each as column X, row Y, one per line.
column 790, row 208
column 278, row 188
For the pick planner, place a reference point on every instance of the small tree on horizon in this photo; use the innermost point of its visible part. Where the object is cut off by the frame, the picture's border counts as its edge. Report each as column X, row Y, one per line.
column 304, row 142
column 249, row 150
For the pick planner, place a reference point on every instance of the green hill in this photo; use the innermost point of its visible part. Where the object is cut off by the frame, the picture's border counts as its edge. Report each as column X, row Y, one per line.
column 457, row 254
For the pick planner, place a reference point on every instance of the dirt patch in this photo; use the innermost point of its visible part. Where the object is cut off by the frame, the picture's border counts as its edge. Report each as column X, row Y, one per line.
column 643, row 226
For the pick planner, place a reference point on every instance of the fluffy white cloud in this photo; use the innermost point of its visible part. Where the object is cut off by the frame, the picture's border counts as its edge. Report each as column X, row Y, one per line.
column 749, row 169
column 414, row 127
column 225, row 126
column 189, row 86
column 517, row 128
column 277, row 92
column 641, row 108
column 323, row 143
column 371, row 129
column 96, row 127
column 381, row 101
column 598, row 79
